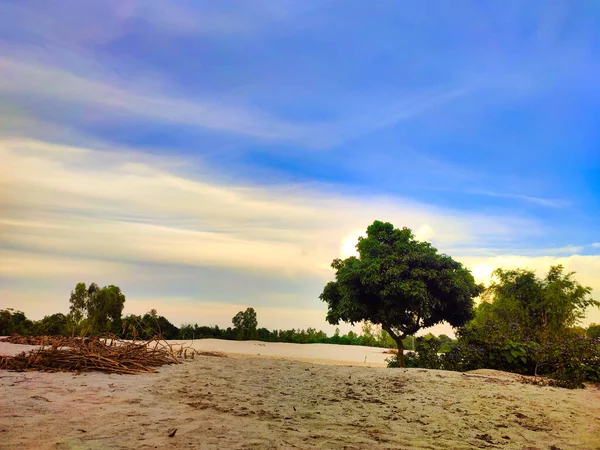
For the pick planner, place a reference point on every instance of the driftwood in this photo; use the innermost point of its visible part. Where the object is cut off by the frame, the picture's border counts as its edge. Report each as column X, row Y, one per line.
column 108, row 354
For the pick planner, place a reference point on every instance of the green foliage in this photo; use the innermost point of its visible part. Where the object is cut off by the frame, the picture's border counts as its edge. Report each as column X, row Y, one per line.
column 14, row 322
column 368, row 337
column 408, row 343
column 593, row 331
column 446, row 343
column 394, row 363
column 400, row 283
column 78, row 301
column 491, row 347
column 104, row 308
column 426, row 354
column 385, row 340
column 54, row 325
column 543, row 308
column 245, row 323
column 571, row 360
column 96, row 310
column 527, row 325
column 148, row 326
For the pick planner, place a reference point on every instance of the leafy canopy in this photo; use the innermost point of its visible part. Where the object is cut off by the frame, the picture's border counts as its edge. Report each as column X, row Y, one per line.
column 100, row 307
column 245, row 322
column 538, row 309
column 400, row 283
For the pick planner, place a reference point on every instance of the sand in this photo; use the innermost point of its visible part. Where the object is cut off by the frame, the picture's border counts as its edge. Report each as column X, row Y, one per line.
column 258, row 401
column 325, row 353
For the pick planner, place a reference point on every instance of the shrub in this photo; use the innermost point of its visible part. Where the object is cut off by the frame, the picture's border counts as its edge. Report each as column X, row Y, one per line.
column 570, row 361
column 392, row 362
column 426, row 355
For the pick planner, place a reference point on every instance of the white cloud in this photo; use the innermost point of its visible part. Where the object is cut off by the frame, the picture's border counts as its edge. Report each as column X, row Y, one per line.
column 425, row 233
column 348, row 246
column 38, row 266
column 78, row 214
column 111, row 205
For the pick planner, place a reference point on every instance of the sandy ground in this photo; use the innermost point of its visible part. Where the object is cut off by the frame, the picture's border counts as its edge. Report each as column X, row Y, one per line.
column 270, row 402
column 326, row 353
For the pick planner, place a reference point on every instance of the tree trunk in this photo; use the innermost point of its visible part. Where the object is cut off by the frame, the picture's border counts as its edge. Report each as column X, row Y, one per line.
column 400, row 344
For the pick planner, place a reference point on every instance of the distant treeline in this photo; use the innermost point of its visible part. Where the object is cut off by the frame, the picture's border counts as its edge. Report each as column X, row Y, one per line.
column 152, row 324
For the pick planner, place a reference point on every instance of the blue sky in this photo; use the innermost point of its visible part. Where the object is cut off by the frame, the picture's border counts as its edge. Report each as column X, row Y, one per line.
column 213, row 155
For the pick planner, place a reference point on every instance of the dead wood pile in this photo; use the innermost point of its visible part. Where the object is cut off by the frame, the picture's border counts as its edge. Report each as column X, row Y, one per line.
column 110, row 355
column 60, row 341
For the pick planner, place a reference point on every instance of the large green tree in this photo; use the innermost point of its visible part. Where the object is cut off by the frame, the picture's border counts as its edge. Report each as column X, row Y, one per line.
column 539, row 309
column 100, row 307
column 400, row 283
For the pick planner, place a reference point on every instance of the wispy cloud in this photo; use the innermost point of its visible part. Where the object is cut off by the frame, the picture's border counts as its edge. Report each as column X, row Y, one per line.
column 269, row 86
column 74, row 213
column 81, row 86
column 63, row 87
column 119, row 206
column 548, row 202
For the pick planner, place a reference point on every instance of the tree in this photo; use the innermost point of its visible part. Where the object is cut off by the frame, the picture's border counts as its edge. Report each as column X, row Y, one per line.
column 368, row 336
column 446, row 343
column 14, row 322
column 54, row 325
column 593, row 331
column 78, row 302
column 105, row 306
column 151, row 325
column 385, row 340
column 400, row 283
column 101, row 307
column 538, row 309
column 245, row 322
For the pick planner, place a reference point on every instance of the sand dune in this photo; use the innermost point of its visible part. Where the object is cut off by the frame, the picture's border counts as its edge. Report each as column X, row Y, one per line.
column 269, row 402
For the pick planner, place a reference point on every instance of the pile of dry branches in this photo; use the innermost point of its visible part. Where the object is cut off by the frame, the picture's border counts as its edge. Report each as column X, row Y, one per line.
column 59, row 341
column 111, row 355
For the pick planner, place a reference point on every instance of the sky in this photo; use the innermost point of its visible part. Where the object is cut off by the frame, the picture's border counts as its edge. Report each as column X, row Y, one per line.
column 210, row 156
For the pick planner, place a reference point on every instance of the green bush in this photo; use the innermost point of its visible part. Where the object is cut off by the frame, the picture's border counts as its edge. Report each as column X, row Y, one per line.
column 571, row 361
column 426, row 355
column 392, row 362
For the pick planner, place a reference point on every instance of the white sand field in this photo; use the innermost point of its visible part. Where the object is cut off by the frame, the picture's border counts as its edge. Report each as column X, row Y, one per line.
column 327, row 353
column 248, row 400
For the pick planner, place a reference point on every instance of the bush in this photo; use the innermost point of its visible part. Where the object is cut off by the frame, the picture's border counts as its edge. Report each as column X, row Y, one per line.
column 14, row 322
column 570, row 361
column 491, row 347
column 426, row 355
column 392, row 362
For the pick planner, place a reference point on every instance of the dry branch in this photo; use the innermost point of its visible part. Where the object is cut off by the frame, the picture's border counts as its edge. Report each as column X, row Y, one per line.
column 112, row 355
